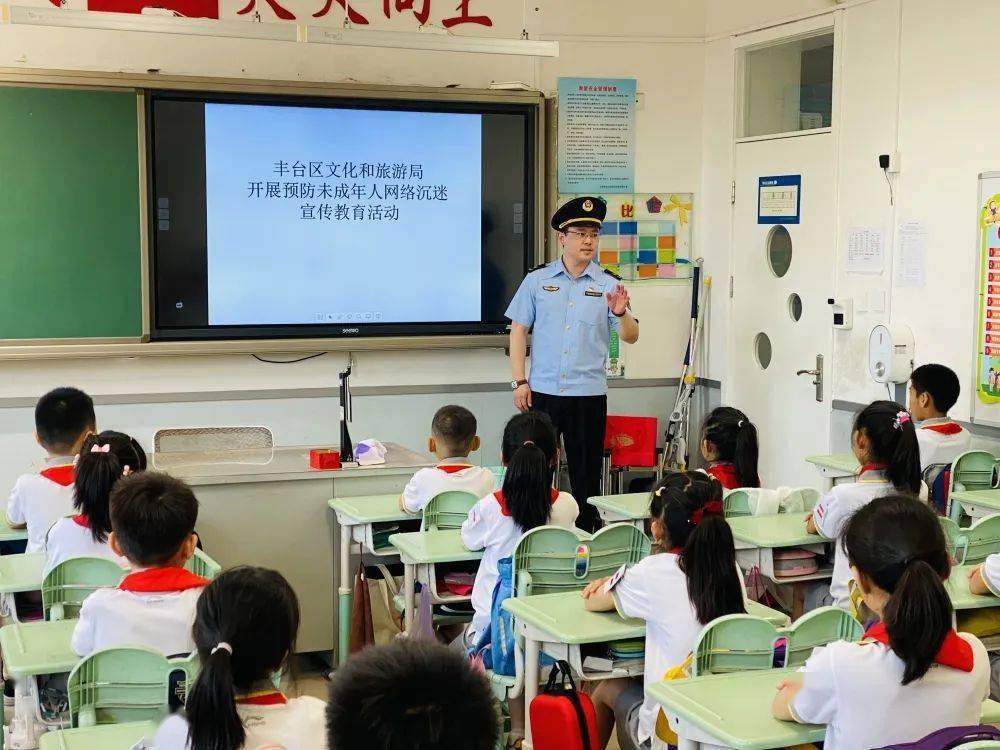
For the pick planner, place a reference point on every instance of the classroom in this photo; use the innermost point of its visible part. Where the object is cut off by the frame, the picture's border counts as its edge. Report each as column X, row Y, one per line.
column 390, row 374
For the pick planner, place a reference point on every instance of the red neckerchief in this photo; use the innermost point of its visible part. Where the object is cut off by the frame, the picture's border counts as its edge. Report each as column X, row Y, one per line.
column 81, row 520
column 61, row 475
column 871, row 467
column 949, row 428
column 726, row 474
column 452, row 468
column 161, row 579
column 955, row 651
column 503, row 504
column 263, row 698
column 675, row 550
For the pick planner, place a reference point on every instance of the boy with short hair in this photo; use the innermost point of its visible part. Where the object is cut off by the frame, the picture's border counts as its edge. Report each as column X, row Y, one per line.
column 152, row 521
column 934, row 389
column 413, row 689
column 63, row 419
column 453, row 438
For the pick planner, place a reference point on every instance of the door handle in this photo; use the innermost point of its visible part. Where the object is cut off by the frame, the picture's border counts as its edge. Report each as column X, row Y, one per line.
column 817, row 374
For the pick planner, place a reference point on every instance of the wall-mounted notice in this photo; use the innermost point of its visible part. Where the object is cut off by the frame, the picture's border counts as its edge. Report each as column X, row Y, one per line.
column 597, row 135
column 779, row 199
column 865, row 250
column 911, row 261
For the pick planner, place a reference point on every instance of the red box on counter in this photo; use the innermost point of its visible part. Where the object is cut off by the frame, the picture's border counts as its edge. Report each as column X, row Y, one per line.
column 324, row 459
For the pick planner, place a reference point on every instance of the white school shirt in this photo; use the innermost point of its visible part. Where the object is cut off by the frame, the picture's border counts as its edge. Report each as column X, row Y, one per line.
column 39, row 500
column 491, row 529
column 941, row 441
column 300, row 724
column 451, row 475
column 991, row 573
column 831, row 514
column 856, row 690
column 71, row 537
column 655, row 590
column 153, row 607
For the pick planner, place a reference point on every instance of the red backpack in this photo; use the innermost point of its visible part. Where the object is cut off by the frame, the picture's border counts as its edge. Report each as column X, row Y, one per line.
column 561, row 717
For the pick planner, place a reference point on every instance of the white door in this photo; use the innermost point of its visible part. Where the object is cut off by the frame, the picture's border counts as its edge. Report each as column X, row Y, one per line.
column 783, row 275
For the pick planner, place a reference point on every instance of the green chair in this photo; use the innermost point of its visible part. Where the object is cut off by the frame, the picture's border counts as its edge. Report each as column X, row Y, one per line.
column 977, row 542
column 129, row 683
column 817, row 628
column 973, row 470
column 734, row 643
column 447, row 510
column 810, row 496
column 551, row 559
column 202, row 565
column 952, row 533
column 72, row 581
column 736, row 504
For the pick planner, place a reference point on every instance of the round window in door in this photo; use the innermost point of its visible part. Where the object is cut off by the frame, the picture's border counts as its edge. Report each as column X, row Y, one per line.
column 779, row 250
column 762, row 350
column 795, row 306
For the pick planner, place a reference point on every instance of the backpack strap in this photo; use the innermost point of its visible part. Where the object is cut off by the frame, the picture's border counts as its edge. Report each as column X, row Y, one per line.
column 562, row 669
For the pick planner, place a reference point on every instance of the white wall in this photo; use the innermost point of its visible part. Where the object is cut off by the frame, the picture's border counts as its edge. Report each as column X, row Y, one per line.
column 663, row 51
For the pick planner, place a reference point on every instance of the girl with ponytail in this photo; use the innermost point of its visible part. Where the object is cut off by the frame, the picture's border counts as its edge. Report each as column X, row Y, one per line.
column 885, row 444
column 245, row 628
column 690, row 582
column 527, row 500
column 911, row 674
column 104, row 459
column 729, row 447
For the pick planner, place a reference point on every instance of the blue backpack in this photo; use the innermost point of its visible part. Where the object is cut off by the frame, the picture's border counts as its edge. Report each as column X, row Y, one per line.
column 495, row 646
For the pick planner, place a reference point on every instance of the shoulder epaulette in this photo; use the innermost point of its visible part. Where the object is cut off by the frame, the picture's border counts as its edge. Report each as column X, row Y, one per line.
column 611, row 273
column 537, row 268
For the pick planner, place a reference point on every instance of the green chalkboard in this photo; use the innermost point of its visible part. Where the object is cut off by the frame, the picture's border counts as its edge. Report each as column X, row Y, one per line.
column 70, row 254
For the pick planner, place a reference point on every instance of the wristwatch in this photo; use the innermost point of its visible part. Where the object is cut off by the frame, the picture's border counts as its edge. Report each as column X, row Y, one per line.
column 515, row 384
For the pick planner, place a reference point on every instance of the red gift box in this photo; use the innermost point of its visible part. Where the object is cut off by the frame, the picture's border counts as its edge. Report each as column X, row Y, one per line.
column 324, row 459
column 631, row 440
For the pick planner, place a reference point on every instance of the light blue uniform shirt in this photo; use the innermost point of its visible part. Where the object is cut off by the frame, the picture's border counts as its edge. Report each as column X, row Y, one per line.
column 571, row 324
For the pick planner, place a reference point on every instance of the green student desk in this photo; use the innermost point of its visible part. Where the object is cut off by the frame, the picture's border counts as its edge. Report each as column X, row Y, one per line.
column 632, row 508
column 103, row 737
column 560, row 623
column 734, row 710
column 978, row 503
column 37, row 648
column 19, row 573
column 758, row 536
column 836, row 468
column 357, row 517
column 8, row 533
column 420, row 551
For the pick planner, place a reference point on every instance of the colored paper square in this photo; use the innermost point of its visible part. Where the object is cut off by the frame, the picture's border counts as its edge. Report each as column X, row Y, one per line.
column 666, row 242
column 666, row 256
column 627, row 271
column 626, row 242
column 608, row 256
column 647, row 256
column 608, row 242
column 627, row 256
column 664, row 271
column 649, row 227
column 667, row 227
column 627, row 227
column 647, row 243
column 647, row 271
column 610, row 227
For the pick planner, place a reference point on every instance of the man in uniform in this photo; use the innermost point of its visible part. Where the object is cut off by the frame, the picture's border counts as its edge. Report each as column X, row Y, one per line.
column 570, row 306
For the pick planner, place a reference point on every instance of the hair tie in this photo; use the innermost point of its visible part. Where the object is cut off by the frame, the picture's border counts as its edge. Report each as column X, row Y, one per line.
column 740, row 423
column 901, row 418
column 106, row 448
column 697, row 516
column 127, row 470
column 224, row 646
column 527, row 442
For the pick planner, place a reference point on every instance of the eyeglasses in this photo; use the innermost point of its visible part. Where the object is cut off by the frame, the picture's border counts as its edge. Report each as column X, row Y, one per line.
column 584, row 235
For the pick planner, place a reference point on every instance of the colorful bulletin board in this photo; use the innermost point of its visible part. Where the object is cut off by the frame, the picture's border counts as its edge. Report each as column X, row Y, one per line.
column 646, row 235
column 986, row 396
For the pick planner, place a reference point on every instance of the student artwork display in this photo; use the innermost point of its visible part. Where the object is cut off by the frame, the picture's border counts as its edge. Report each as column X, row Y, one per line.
column 646, row 235
column 988, row 341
